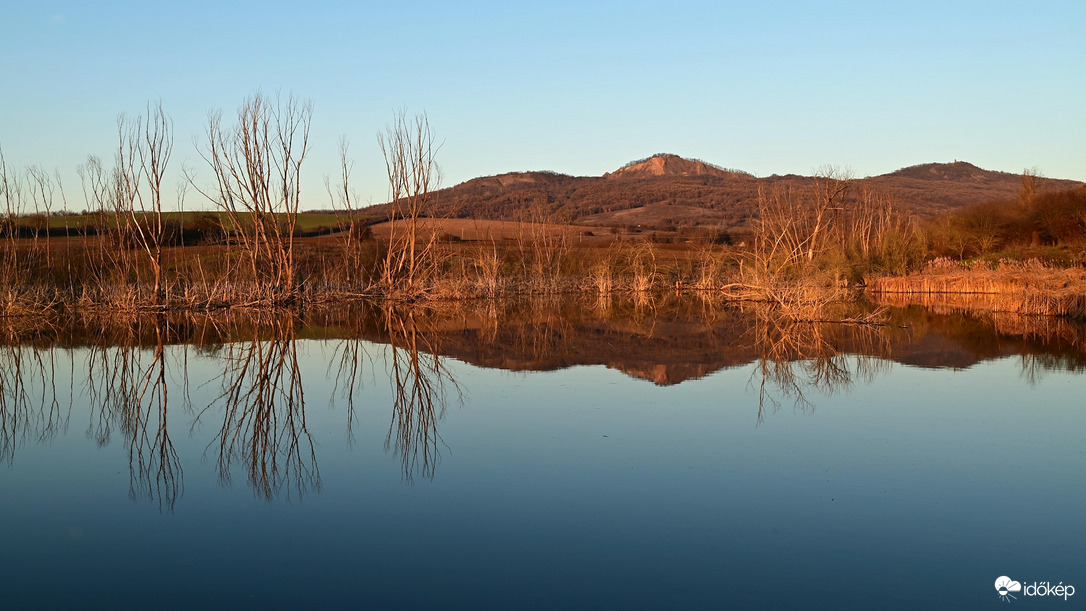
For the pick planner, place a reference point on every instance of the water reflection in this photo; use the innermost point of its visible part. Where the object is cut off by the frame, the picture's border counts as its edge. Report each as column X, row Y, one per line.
column 128, row 390
column 133, row 372
column 262, row 408
column 417, row 374
column 795, row 357
column 30, row 408
column 419, row 382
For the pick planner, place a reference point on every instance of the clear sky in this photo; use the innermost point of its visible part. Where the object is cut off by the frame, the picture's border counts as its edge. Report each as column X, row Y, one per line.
column 575, row 87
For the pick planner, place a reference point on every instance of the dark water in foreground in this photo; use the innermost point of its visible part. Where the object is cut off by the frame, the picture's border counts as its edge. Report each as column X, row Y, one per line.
column 646, row 458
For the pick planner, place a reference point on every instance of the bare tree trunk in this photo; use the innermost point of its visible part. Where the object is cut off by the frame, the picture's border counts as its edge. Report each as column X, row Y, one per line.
column 42, row 190
column 155, row 148
column 257, row 167
column 12, row 201
column 143, row 152
column 830, row 186
column 410, row 150
column 342, row 199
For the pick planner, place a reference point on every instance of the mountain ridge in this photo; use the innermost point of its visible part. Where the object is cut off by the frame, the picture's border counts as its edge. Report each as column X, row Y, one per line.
column 673, row 190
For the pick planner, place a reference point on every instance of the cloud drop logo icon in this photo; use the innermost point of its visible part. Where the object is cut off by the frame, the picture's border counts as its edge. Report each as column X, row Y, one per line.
column 1005, row 585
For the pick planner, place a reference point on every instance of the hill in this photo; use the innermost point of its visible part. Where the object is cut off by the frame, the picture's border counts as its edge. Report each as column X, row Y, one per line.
column 665, row 164
column 666, row 190
column 934, row 187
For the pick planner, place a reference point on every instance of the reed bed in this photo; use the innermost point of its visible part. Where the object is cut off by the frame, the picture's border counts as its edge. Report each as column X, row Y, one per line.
column 213, row 277
column 1030, row 288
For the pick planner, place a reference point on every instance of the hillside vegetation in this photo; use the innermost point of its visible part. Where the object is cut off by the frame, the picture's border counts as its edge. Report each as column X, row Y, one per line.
column 703, row 194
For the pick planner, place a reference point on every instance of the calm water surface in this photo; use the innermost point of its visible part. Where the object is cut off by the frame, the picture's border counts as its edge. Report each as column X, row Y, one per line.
column 296, row 465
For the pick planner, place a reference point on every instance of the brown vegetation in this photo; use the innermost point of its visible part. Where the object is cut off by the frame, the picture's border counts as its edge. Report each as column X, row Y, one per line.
column 1021, row 288
column 700, row 194
column 799, row 243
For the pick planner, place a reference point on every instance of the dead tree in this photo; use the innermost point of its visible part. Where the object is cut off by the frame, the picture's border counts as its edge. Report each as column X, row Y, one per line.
column 257, row 166
column 410, row 149
column 144, row 148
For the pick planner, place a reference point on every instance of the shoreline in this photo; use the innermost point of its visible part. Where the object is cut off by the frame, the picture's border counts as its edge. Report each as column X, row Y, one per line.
column 1028, row 288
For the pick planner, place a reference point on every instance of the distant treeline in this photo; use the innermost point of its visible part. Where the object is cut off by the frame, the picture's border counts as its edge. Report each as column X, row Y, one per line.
column 189, row 229
column 9, row 230
column 1051, row 224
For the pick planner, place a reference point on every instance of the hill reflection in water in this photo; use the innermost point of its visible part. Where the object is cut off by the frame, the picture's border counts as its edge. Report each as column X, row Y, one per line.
column 339, row 457
column 134, row 384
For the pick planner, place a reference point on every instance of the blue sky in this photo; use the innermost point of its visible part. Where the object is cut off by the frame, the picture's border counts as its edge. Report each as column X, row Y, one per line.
column 575, row 87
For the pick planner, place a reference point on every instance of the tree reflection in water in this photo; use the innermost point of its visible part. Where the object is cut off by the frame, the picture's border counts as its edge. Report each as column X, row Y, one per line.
column 29, row 405
column 1064, row 338
column 128, row 391
column 349, row 357
column 420, row 382
column 135, row 366
column 263, row 412
column 797, row 356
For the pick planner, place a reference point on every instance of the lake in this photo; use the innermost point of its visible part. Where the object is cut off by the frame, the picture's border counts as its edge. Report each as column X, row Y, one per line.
column 638, row 454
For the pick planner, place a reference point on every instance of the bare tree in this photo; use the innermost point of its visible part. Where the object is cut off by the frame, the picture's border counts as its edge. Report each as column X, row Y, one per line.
column 144, row 148
column 12, row 201
column 257, row 166
column 100, row 193
column 779, row 231
column 156, row 143
column 342, row 198
column 410, row 148
column 830, row 186
column 792, row 223
column 42, row 189
column 542, row 243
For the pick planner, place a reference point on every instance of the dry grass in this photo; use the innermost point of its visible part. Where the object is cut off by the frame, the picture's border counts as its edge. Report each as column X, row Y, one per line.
column 1031, row 288
column 543, row 261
